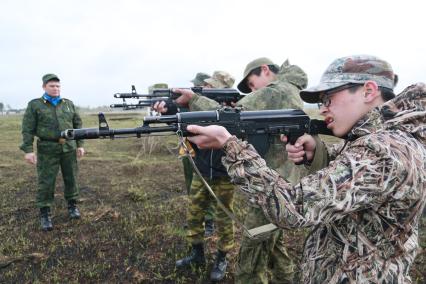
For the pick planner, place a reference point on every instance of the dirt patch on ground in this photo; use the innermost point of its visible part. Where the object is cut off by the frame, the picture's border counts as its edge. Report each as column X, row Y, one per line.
column 133, row 205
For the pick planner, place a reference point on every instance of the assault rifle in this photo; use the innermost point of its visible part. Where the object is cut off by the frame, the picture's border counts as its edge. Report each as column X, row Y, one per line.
column 145, row 103
column 222, row 96
column 257, row 127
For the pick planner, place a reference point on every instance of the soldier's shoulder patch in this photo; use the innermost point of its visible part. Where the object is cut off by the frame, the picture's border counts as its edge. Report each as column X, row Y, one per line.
column 67, row 100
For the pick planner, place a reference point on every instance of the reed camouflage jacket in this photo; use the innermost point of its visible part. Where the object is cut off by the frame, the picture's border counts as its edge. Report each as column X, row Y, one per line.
column 363, row 209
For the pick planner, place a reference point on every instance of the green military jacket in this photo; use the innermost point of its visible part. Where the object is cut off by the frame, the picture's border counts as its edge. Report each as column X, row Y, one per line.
column 46, row 121
column 283, row 93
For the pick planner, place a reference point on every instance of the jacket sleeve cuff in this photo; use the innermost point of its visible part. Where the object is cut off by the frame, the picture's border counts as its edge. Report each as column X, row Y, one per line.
column 320, row 159
column 230, row 143
column 198, row 103
column 193, row 101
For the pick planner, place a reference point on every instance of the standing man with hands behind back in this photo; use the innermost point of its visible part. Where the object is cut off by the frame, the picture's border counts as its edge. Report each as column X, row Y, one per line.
column 45, row 118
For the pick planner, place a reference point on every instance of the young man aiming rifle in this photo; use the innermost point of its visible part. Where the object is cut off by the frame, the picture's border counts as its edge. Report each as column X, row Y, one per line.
column 363, row 208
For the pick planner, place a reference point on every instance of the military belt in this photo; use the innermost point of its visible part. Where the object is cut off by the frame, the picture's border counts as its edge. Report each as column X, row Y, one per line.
column 57, row 140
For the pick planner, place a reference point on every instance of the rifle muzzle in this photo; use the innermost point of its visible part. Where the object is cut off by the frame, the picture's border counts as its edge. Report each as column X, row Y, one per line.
column 76, row 134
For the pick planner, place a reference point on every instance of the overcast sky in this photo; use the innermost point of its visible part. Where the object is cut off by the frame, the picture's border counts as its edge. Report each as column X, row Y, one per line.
column 101, row 47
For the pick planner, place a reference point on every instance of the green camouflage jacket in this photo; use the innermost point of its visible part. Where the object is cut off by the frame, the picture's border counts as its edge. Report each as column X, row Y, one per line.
column 364, row 207
column 282, row 93
column 46, row 121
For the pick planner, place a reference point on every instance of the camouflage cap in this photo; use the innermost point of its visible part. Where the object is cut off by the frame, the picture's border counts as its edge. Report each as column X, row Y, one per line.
column 157, row 86
column 242, row 86
column 48, row 77
column 352, row 69
column 220, row 79
column 198, row 81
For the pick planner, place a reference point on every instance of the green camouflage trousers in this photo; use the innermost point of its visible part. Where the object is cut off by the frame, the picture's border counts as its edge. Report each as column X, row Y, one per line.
column 256, row 257
column 201, row 199
column 48, row 165
column 188, row 174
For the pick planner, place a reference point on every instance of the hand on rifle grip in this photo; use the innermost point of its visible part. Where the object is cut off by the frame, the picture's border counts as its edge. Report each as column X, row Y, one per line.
column 160, row 107
column 185, row 96
column 302, row 151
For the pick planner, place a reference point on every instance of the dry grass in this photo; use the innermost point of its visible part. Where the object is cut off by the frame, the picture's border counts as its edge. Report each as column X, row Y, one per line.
column 133, row 204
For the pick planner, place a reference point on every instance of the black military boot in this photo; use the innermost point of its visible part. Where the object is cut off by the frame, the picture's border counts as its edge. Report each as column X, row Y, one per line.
column 45, row 219
column 208, row 228
column 195, row 258
column 73, row 211
column 219, row 267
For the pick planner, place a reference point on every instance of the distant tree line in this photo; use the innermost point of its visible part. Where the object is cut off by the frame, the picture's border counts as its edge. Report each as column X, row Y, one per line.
column 8, row 109
column 82, row 109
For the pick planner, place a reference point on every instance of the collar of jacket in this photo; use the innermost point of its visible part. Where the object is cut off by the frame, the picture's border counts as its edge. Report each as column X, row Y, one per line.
column 53, row 100
column 370, row 123
column 406, row 112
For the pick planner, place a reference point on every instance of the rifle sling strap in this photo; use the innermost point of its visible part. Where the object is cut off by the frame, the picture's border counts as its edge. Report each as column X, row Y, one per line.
column 254, row 233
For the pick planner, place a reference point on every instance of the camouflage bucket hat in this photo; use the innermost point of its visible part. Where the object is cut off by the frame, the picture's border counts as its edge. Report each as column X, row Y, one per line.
column 157, row 86
column 198, row 81
column 352, row 69
column 242, row 86
column 48, row 77
column 220, row 79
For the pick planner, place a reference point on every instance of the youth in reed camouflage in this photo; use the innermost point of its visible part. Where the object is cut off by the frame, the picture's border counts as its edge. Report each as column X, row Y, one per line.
column 363, row 209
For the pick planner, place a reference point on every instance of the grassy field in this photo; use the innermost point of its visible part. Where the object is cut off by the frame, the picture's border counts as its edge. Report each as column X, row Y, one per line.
column 133, row 204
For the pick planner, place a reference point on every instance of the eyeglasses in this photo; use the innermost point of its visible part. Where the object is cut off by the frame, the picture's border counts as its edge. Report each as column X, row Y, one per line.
column 325, row 97
column 325, row 101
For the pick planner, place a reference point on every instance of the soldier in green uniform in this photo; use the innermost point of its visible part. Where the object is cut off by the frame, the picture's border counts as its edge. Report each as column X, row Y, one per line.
column 363, row 208
column 157, row 86
column 210, row 166
column 201, row 80
column 151, row 89
column 45, row 118
column 198, row 81
column 269, row 86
